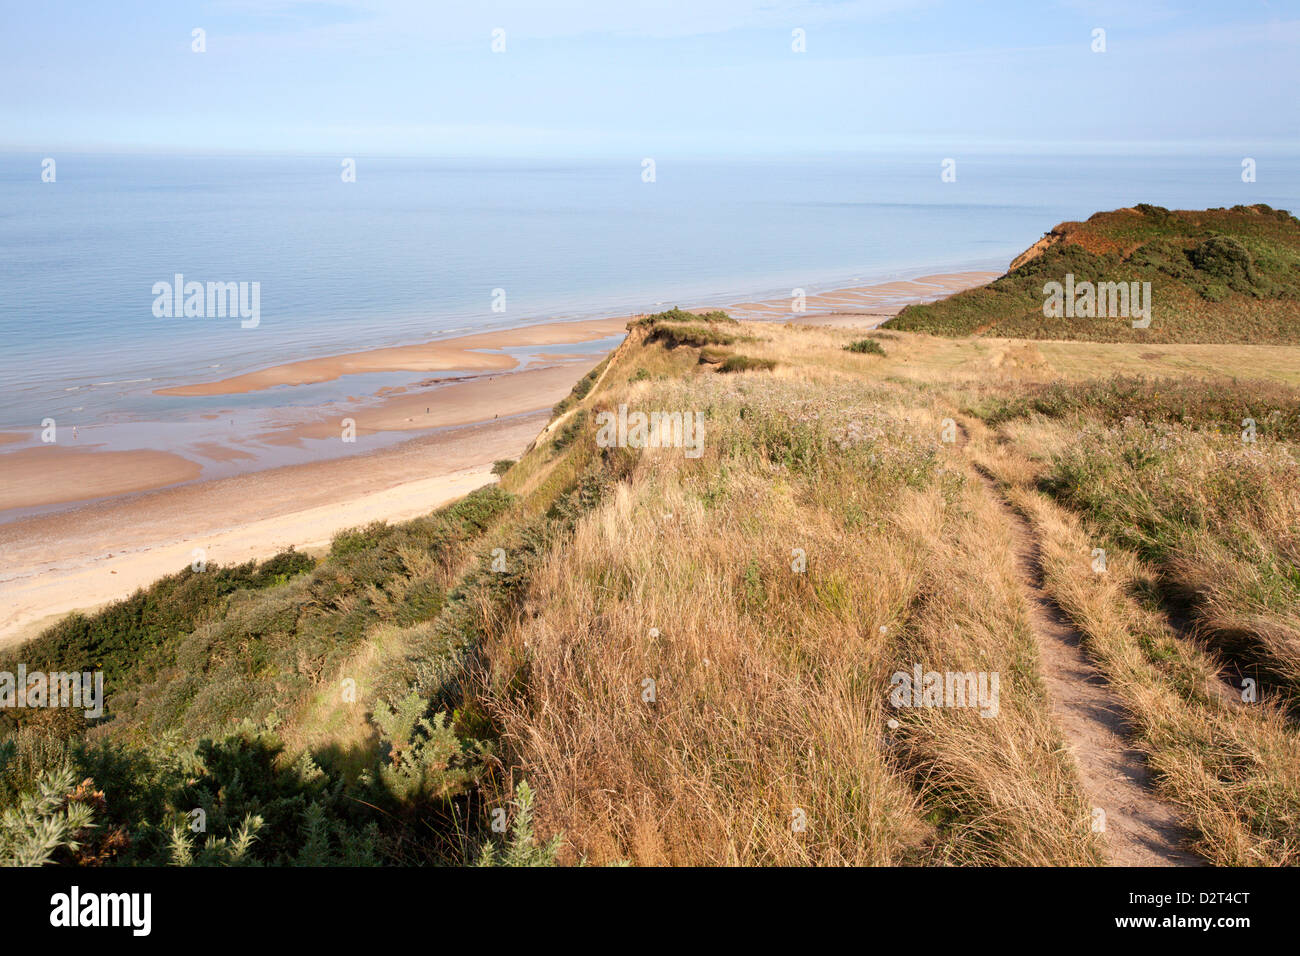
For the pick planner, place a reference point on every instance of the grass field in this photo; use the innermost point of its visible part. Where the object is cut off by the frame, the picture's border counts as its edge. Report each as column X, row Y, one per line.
column 645, row 657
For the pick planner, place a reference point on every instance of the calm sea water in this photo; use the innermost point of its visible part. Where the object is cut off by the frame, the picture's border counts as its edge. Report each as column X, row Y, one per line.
column 414, row 248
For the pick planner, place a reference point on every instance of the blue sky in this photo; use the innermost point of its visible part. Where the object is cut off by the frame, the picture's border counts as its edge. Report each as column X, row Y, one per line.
column 608, row 77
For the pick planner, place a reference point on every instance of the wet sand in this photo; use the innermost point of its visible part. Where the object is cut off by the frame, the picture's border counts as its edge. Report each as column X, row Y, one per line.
column 104, row 551
column 467, row 353
column 849, row 307
column 50, row 474
column 143, row 511
column 483, row 382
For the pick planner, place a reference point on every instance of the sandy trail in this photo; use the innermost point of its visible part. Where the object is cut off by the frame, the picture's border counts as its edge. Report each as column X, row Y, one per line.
column 1140, row 829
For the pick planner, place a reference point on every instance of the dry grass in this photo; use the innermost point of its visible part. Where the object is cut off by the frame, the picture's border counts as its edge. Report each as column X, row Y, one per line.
column 767, row 736
column 676, row 692
column 1232, row 769
column 1219, row 518
column 771, row 683
column 690, row 660
column 1006, row 785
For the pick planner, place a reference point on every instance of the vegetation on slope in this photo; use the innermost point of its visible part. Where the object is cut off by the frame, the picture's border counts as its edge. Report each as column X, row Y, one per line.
column 1201, row 479
column 1218, row 275
column 648, row 657
column 1194, row 610
column 377, row 705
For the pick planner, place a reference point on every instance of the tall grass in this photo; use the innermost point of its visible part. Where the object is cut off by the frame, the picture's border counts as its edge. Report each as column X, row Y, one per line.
column 704, row 677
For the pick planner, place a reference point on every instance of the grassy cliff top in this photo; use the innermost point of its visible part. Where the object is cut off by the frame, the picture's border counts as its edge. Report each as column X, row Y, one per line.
column 688, row 650
column 1216, row 275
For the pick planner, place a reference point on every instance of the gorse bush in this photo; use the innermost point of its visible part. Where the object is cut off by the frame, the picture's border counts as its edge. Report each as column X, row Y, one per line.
column 277, row 644
column 45, row 821
column 129, row 639
column 1223, row 257
column 425, row 758
column 865, row 347
column 225, row 802
column 747, row 363
column 202, row 649
column 522, row 848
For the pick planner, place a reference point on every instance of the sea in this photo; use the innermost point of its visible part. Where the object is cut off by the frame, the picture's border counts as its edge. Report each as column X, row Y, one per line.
column 410, row 250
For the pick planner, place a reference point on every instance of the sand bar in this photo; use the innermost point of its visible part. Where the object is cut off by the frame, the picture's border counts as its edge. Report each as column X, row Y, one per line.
column 487, row 386
column 468, row 353
column 49, row 474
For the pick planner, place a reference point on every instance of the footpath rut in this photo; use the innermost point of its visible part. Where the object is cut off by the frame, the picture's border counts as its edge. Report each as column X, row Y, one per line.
column 1139, row 828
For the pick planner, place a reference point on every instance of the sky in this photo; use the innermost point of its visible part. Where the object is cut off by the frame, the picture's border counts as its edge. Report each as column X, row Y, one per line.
column 688, row 77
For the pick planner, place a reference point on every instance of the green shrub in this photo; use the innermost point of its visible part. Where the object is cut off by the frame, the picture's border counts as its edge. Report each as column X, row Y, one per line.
column 130, row 639
column 1218, row 275
column 571, row 430
column 865, row 347
column 580, row 390
column 679, row 315
column 45, row 821
column 522, row 848
column 1224, row 257
column 747, row 363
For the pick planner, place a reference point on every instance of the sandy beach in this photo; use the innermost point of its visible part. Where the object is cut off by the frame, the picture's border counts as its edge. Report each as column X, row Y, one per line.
column 82, row 558
column 867, row 305
column 115, row 520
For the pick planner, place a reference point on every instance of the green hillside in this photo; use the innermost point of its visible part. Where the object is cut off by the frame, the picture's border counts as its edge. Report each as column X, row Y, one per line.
column 1218, row 275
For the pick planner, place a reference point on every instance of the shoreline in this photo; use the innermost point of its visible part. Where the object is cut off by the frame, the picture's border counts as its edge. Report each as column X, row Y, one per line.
column 88, row 556
column 96, row 523
column 473, row 378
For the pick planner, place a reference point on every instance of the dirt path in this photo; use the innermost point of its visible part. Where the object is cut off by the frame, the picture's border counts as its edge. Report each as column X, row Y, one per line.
column 1140, row 830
